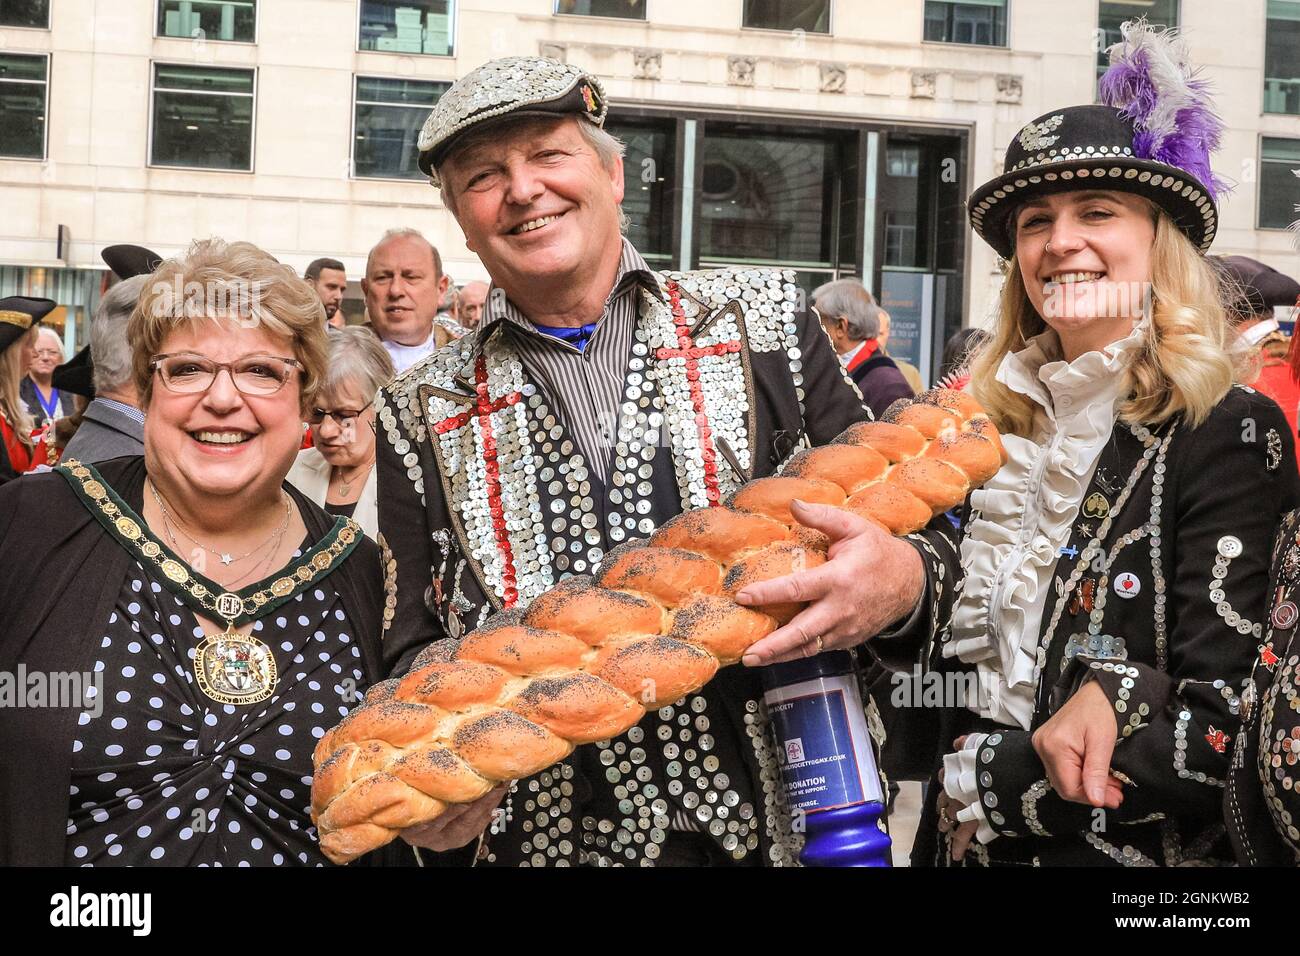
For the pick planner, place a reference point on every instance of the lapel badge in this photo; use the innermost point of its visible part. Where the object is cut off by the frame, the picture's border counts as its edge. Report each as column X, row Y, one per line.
column 1217, row 739
column 1127, row 585
column 1285, row 615
column 1096, row 506
column 1267, row 657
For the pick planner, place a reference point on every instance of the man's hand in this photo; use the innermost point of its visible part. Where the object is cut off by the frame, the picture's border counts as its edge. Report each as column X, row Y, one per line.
column 871, row 580
column 459, row 824
column 1076, row 744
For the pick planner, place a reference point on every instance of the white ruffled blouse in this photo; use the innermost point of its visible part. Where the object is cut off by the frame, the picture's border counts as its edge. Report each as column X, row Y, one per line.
column 1023, row 518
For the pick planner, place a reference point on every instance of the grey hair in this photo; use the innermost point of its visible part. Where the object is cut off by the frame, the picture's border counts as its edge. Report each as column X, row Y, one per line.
column 357, row 356
column 607, row 147
column 109, row 347
column 405, row 233
column 849, row 299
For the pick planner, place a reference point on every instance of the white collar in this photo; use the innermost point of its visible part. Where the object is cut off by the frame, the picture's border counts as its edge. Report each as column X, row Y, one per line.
column 1039, row 371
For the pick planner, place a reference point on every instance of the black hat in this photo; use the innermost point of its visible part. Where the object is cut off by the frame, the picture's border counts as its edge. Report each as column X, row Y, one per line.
column 127, row 260
column 77, row 375
column 1255, row 288
column 18, row 314
column 1152, row 137
column 511, row 86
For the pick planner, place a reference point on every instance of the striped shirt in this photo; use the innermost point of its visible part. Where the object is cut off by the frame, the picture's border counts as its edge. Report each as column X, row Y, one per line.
column 584, row 388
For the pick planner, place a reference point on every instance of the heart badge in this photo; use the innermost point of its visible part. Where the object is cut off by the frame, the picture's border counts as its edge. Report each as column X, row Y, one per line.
column 1127, row 585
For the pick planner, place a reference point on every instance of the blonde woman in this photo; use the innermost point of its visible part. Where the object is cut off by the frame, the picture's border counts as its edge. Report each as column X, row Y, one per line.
column 1104, row 593
column 338, row 471
column 231, row 619
column 20, row 320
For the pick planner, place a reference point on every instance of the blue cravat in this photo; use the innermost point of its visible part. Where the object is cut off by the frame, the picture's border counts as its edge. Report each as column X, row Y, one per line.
column 578, row 337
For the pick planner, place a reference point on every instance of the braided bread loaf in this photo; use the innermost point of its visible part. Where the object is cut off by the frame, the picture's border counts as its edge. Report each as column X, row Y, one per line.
column 586, row 659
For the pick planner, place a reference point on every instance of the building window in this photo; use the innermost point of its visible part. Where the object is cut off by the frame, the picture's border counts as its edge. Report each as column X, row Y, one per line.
column 981, row 22
column 768, row 197
column 389, row 115
column 24, row 94
column 232, row 21
column 1281, row 52
column 25, row 13
column 620, row 9
column 810, row 16
column 202, row 117
column 649, row 186
column 1279, row 189
column 1112, row 14
column 408, row 26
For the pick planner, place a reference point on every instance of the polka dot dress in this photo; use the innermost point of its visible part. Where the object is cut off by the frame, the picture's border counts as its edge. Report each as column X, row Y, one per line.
column 165, row 775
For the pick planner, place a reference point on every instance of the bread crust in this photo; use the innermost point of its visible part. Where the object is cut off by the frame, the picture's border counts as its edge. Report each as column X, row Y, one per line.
column 587, row 658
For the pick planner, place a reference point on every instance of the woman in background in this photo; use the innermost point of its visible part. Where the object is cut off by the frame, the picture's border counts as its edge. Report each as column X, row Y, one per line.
column 338, row 472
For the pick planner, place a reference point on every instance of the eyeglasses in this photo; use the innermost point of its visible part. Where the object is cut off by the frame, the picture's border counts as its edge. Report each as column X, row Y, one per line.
column 188, row 374
column 48, row 353
column 343, row 417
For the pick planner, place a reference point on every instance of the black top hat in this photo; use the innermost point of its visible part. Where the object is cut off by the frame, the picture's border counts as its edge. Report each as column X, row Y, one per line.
column 1255, row 288
column 76, row 375
column 17, row 316
column 127, row 260
column 1152, row 137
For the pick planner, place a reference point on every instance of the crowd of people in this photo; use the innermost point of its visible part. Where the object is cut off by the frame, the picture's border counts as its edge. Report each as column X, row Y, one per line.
column 284, row 511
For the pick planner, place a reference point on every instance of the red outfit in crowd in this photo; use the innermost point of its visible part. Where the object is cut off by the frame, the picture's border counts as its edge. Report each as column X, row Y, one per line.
column 20, row 457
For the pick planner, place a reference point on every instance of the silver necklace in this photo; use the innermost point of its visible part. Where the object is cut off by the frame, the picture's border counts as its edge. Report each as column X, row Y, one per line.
column 225, row 557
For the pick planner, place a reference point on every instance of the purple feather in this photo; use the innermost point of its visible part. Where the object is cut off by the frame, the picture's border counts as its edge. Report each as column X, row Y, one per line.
column 1151, row 83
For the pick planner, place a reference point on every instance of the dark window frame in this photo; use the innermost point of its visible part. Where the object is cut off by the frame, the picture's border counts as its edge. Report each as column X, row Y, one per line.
column 421, row 179
column 257, row 25
column 1259, row 181
column 604, row 18
column 453, row 34
column 1264, row 110
column 1177, row 24
column 1006, row 28
column 153, row 90
column 49, row 20
column 830, row 24
column 45, row 132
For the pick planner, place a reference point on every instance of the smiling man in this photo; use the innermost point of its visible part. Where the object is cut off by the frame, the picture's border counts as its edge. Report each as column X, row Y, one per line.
column 595, row 400
column 403, row 285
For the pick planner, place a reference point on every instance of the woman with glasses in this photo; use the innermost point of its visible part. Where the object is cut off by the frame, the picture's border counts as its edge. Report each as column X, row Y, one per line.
column 44, row 400
column 338, row 472
column 209, row 622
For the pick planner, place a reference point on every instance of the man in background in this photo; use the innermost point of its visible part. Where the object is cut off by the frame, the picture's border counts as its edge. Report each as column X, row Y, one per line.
column 113, row 424
column 330, row 280
column 851, row 318
column 472, row 297
column 403, row 286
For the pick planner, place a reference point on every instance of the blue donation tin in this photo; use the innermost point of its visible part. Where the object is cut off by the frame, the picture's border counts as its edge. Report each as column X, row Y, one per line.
column 827, row 761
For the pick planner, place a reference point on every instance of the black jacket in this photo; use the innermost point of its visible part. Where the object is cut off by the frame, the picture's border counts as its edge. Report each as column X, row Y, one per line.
column 1189, row 637
column 797, row 394
column 1261, row 803
column 62, row 573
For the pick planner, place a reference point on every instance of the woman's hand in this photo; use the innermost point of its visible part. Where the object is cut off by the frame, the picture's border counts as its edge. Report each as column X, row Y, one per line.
column 459, row 824
column 1076, row 744
column 962, row 833
column 871, row 580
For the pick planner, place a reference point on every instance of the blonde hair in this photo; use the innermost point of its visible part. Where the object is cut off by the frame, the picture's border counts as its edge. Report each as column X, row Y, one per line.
column 12, row 407
column 1184, row 368
column 235, row 282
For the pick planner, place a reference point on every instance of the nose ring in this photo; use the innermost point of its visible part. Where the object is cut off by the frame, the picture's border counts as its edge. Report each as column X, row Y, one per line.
column 1048, row 247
